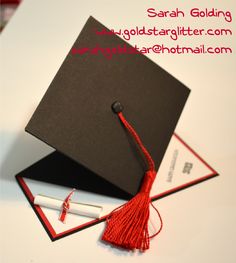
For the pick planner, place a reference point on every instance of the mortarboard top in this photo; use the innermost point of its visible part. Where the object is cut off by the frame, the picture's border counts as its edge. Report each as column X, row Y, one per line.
column 75, row 116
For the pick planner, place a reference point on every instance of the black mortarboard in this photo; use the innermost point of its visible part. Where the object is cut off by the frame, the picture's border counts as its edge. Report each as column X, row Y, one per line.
column 94, row 151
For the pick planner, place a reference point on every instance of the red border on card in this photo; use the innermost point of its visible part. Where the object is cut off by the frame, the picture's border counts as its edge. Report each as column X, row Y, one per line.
column 52, row 233
column 196, row 181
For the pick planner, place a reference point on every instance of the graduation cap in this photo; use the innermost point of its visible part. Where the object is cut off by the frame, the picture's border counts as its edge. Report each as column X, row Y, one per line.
column 83, row 116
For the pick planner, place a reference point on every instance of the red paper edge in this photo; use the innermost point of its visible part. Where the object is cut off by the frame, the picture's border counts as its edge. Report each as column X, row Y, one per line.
column 52, row 233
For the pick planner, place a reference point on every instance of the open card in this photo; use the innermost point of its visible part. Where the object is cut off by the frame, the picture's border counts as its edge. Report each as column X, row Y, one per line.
column 181, row 167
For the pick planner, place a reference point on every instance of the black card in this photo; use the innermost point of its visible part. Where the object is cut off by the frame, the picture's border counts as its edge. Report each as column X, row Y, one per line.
column 75, row 115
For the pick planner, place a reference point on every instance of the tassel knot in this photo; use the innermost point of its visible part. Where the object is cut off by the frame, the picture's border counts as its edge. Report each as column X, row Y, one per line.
column 148, row 180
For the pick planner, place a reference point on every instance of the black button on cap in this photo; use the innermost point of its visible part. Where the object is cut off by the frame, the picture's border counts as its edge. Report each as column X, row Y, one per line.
column 117, row 107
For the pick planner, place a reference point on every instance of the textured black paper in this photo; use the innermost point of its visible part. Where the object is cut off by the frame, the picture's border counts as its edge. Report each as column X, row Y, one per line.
column 56, row 168
column 75, row 115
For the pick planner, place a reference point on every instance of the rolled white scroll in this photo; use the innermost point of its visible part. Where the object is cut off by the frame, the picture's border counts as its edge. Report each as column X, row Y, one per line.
column 75, row 208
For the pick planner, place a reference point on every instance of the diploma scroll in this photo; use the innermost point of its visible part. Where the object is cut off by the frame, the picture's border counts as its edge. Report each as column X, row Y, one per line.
column 75, row 208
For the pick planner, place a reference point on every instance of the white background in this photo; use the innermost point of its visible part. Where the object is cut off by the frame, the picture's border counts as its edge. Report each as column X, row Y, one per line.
column 199, row 222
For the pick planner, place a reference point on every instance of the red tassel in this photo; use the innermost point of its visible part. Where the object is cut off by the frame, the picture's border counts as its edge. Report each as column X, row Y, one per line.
column 127, row 225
